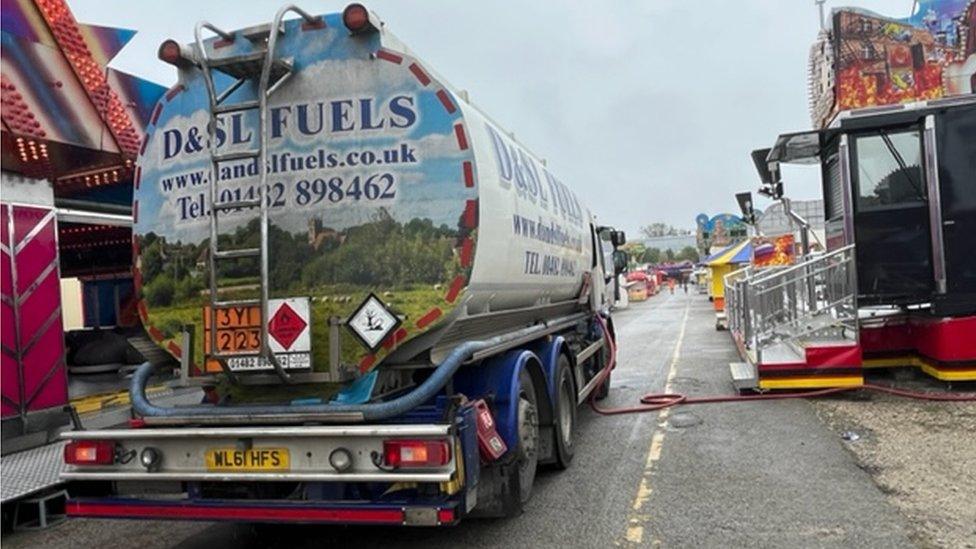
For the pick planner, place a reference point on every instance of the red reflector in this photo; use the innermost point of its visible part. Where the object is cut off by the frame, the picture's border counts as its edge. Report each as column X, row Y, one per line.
column 356, row 18
column 185, row 511
column 416, row 453
column 90, row 452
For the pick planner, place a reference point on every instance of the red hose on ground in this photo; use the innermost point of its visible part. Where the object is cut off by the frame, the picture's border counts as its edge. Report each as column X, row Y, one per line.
column 658, row 401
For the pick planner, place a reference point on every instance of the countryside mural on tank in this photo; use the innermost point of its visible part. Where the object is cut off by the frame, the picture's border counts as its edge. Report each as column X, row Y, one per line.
column 370, row 190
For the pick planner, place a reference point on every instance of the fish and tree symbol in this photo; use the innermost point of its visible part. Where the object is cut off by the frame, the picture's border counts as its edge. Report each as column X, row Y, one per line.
column 373, row 322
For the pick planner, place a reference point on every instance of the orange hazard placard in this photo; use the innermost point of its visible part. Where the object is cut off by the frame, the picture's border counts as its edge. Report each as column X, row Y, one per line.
column 238, row 331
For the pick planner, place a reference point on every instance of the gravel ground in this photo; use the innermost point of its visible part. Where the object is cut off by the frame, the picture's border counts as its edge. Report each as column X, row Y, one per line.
column 921, row 454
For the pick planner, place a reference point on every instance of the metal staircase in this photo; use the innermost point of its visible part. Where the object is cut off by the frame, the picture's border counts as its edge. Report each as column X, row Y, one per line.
column 270, row 73
column 775, row 313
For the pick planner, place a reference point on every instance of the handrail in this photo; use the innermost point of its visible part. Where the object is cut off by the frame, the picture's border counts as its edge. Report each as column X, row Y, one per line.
column 815, row 297
column 263, row 93
column 800, row 265
column 204, row 62
column 765, row 289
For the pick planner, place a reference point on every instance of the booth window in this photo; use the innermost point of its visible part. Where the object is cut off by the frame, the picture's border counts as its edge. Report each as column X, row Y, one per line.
column 889, row 169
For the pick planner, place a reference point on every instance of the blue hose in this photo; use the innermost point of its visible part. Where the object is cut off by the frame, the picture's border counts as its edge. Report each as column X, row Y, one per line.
column 370, row 411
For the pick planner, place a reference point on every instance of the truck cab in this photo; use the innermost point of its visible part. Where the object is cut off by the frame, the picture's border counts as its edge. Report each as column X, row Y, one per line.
column 898, row 183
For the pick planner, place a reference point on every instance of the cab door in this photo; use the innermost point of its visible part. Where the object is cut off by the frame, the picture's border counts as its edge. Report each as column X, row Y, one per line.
column 951, row 144
column 838, row 214
column 891, row 216
column 603, row 262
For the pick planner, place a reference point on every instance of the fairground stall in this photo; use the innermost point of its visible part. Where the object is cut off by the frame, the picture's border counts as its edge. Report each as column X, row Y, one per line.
column 701, row 279
column 720, row 264
column 718, row 232
column 71, row 130
column 895, row 114
column 640, row 286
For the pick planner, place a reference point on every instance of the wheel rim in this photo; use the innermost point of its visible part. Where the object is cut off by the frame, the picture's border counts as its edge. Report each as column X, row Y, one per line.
column 529, row 442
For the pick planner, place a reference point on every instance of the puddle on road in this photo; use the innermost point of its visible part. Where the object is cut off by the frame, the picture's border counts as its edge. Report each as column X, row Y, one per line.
column 685, row 381
column 683, row 420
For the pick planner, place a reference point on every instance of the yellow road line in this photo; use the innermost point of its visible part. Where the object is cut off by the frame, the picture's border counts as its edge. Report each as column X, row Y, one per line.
column 637, row 519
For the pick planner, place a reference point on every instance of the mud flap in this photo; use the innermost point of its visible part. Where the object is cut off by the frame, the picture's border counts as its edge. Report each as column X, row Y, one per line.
column 498, row 491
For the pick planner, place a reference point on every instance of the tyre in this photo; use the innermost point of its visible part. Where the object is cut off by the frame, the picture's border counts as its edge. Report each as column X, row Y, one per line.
column 528, row 436
column 564, row 414
column 506, row 486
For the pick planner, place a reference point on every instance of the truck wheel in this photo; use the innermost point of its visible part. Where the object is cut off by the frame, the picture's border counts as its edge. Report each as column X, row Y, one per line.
column 505, row 486
column 528, row 435
column 565, row 414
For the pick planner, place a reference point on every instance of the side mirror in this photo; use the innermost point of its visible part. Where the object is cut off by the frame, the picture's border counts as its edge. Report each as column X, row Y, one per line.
column 618, row 238
column 620, row 260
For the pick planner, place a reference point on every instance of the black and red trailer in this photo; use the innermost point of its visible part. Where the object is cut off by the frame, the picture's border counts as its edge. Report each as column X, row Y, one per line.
column 893, row 105
column 899, row 183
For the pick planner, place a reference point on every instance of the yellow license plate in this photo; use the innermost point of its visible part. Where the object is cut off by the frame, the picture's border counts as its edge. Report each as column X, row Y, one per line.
column 255, row 459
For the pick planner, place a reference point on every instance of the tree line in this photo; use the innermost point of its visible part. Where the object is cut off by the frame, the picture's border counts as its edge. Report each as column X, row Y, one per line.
column 382, row 252
column 639, row 254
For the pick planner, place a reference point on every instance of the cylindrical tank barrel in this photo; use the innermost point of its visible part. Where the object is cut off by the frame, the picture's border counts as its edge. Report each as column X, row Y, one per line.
column 395, row 207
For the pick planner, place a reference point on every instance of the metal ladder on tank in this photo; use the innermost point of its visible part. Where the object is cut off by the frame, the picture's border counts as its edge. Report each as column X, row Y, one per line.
column 271, row 74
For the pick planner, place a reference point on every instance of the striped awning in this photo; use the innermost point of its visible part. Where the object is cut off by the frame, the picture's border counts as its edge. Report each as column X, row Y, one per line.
column 736, row 253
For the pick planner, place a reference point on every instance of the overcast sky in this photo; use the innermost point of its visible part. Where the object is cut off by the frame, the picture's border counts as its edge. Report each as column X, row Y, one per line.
column 648, row 110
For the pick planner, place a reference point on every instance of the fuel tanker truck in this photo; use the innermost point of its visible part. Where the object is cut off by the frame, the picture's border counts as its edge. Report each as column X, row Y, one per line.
column 392, row 306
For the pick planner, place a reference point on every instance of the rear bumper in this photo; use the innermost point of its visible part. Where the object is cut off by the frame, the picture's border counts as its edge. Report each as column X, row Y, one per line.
column 299, row 513
column 183, row 451
column 183, row 488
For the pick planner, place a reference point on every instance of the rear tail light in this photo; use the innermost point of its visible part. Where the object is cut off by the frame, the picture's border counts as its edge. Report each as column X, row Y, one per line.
column 90, row 452
column 416, row 453
column 356, row 18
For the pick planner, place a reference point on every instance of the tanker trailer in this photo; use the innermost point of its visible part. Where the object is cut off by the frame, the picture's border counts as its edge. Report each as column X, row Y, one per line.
column 394, row 307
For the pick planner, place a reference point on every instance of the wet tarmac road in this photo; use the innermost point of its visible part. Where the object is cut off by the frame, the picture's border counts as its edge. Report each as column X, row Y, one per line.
column 757, row 474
